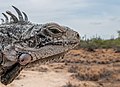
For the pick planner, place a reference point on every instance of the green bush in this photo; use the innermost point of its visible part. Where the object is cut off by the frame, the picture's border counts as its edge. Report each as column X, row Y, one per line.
column 96, row 43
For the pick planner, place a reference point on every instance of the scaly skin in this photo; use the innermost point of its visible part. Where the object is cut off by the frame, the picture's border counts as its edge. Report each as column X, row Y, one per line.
column 24, row 43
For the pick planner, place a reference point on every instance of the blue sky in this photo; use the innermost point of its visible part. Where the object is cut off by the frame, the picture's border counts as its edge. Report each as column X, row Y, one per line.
column 90, row 17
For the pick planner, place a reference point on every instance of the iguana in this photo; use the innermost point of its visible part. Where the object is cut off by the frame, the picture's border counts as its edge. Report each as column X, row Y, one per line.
column 23, row 43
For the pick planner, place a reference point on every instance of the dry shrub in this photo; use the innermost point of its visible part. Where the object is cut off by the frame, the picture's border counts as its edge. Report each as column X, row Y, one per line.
column 69, row 84
column 58, row 66
column 73, row 69
column 40, row 69
column 92, row 73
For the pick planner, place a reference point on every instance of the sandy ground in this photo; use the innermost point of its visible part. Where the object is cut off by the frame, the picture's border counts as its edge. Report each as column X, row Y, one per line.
column 80, row 68
column 39, row 79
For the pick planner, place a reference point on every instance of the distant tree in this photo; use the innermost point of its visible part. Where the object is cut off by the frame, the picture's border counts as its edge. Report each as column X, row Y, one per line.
column 118, row 33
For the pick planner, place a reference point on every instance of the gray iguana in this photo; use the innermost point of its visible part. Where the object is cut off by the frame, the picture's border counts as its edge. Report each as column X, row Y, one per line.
column 23, row 43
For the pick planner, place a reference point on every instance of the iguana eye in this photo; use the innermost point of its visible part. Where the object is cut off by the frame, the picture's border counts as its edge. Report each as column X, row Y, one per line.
column 55, row 31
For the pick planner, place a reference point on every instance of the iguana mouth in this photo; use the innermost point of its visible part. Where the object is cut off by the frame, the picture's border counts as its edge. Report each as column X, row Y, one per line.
column 59, row 43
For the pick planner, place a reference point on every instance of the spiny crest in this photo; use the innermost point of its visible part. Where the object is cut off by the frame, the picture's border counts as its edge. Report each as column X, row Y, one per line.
column 13, row 18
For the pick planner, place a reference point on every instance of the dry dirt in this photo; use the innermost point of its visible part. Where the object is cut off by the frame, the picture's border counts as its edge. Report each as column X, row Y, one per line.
column 79, row 68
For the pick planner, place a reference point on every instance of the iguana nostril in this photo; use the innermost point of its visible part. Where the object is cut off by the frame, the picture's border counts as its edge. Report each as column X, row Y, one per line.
column 24, row 59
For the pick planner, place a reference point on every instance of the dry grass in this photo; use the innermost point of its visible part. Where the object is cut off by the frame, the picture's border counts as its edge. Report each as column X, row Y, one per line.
column 92, row 73
column 69, row 84
column 101, row 66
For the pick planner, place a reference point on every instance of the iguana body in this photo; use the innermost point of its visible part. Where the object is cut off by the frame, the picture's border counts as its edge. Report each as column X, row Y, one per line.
column 23, row 42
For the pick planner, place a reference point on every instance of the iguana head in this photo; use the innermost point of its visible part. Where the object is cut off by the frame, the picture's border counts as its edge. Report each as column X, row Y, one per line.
column 23, row 42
